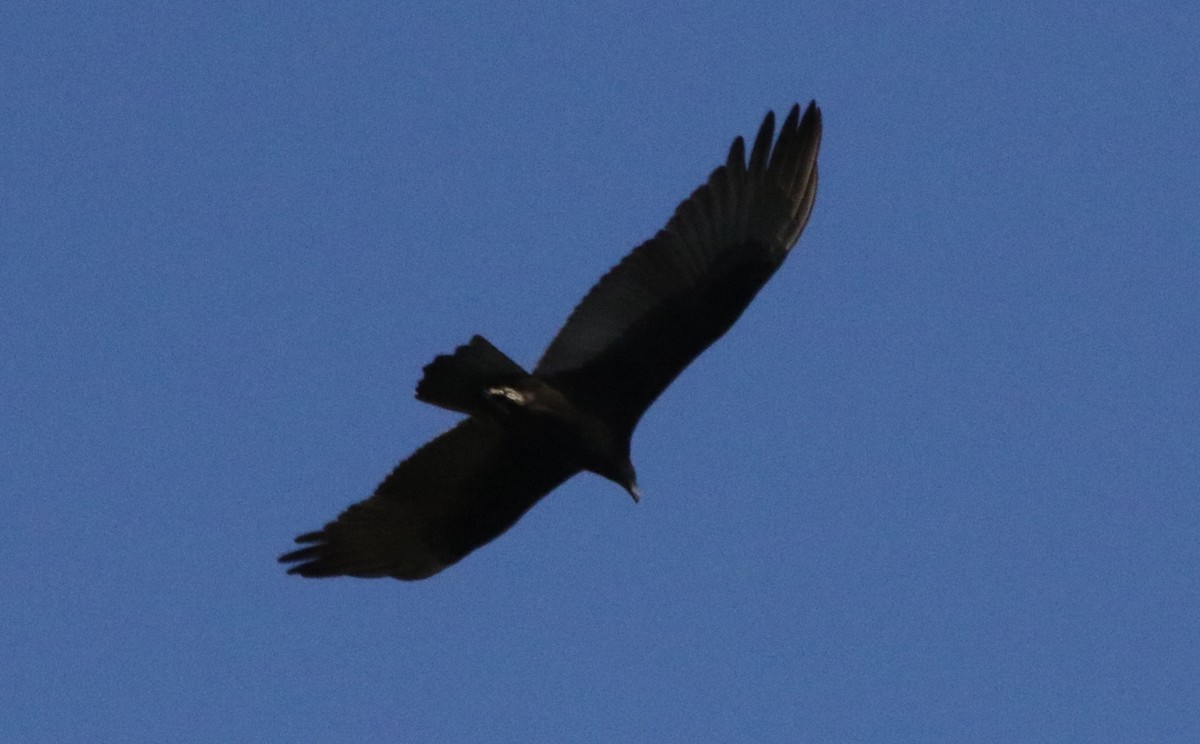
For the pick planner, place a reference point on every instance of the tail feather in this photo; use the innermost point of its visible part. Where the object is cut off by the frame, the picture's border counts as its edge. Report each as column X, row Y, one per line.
column 460, row 381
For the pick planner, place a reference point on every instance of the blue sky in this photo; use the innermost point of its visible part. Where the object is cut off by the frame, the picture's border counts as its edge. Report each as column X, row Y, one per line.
column 939, row 484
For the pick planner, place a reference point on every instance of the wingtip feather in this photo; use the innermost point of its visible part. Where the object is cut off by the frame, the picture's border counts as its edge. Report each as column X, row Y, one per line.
column 736, row 160
column 762, row 144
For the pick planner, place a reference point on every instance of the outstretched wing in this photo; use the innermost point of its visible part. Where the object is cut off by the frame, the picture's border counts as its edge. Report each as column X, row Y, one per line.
column 454, row 494
column 678, row 292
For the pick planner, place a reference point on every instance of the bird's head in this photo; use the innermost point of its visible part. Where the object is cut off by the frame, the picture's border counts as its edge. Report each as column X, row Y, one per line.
column 627, row 479
column 607, row 455
column 619, row 471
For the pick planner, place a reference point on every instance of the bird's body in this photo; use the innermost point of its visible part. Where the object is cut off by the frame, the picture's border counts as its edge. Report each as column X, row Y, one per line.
column 632, row 334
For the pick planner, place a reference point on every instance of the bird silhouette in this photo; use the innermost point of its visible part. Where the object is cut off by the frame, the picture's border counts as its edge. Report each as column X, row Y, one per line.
column 640, row 326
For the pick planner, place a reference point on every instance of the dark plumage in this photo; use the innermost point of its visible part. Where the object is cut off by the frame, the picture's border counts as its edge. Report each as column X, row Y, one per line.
column 632, row 334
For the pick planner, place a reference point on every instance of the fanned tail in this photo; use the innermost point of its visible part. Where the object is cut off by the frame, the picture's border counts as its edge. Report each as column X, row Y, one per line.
column 460, row 381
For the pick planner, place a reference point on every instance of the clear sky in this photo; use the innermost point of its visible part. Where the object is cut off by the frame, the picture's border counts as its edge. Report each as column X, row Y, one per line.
column 940, row 483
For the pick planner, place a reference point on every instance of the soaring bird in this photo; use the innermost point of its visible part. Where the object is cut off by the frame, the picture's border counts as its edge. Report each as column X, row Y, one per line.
column 527, row 432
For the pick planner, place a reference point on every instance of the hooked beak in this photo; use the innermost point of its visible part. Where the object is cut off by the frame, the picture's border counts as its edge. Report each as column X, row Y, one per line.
column 634, row 492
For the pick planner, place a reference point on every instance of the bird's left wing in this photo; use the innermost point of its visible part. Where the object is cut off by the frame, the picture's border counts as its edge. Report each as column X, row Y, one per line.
column 454, row 494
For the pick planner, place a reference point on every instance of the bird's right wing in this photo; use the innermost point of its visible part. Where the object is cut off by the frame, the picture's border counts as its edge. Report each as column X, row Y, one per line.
column 454, row 494
column 675, row 294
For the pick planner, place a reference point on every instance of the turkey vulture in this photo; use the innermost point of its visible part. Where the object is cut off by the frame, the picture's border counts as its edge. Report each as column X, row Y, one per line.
column 633, row 333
